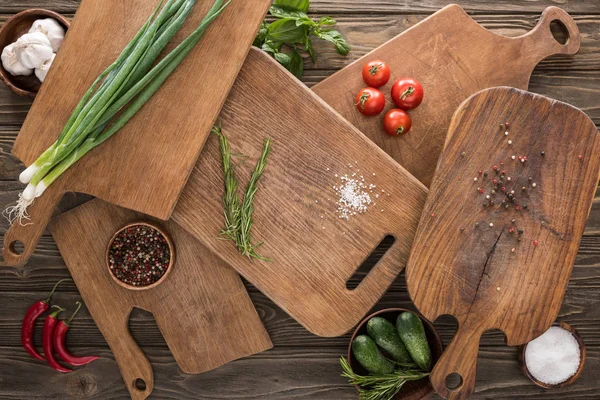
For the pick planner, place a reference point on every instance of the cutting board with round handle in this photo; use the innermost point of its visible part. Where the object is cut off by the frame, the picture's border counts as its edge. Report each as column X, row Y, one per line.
column 145, row 166
column 498, row 235
column 202, row 307
column 314, row 251
column 453, row 57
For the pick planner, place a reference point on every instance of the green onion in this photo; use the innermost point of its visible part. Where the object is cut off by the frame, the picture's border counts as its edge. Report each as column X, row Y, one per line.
column 115, row 96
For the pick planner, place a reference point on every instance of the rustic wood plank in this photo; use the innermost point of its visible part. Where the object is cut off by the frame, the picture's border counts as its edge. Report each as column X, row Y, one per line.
column 362, row 6
column 281, row 373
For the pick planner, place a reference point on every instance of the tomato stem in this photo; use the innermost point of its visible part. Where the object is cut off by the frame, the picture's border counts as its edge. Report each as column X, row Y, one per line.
column 407, row 93
column 374, row 68
column 400, row 130
column 363, row 99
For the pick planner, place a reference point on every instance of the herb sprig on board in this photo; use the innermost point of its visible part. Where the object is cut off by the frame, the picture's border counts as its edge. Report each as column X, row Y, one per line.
column 238, row 215
column 381, row 387
column 293, row 30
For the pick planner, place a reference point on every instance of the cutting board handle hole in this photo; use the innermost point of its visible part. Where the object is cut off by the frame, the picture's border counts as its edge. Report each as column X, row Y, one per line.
column 139, row 384
column 454, row 381
column 17, row 247
column 559, row 31
column 367, row 265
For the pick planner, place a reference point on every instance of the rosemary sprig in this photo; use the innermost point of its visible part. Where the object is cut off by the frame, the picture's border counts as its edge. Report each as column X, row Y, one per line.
column 381, row 387
column 238, row 216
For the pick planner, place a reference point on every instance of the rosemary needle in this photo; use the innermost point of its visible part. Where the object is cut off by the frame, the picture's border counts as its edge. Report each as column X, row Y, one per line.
column 238, row 215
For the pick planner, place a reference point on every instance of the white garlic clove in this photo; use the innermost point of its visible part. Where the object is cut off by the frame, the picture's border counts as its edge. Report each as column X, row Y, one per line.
column 33, row 49
column 11, row 63
column 42, row 71
column 52, row 29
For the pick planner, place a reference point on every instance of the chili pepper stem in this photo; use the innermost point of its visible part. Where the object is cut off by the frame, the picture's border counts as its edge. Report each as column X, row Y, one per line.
column 54, row 289
column 59, row 309
column 68, row 322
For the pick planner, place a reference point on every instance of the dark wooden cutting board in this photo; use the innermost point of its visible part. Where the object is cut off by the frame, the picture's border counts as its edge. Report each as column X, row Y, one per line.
column 502, row 266
column 202, row 307
column 453, row 57
column 314, row 252
column 145, row 166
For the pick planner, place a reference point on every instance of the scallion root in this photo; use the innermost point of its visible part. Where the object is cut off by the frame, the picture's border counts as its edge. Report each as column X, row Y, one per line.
column 18, row 213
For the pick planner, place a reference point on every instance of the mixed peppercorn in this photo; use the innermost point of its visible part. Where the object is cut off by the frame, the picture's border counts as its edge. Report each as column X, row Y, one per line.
column 139, row 255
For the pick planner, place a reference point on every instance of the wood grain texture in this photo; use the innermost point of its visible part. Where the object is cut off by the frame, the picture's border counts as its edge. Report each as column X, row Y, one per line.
column 304, row 366
column 469, row 258
column 145, row 166
column 453, row 57
column 201, row 308
column 314, row 252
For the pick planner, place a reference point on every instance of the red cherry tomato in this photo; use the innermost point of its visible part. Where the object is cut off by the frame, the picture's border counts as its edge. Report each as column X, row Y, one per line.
column 376, row 73
column 397, row 122
column 407, row 93
column 370, row 101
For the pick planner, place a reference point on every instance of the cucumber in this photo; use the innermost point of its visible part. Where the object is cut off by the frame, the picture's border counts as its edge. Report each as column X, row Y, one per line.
column 368, row 355
column 385, row 336
column 412, row 333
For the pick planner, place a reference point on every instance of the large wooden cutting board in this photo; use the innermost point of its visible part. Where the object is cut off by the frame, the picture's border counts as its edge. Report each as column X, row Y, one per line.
column 314, row 252
column 202, row 307
column 494, row 266
column 145, row 166
column 453, row 57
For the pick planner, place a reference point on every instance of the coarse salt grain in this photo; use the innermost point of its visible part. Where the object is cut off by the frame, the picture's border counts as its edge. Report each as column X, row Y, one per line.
column 354, row 196
column 553, row 357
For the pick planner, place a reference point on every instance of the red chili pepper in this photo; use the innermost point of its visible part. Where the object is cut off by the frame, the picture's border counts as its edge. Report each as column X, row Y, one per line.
column 32, row 314
column 47, row 334
column 58, row 341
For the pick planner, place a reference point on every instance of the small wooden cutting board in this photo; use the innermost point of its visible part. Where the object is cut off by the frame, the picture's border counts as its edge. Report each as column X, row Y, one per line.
column 202, row 307
column 144, row 166
column 453, row 57
column 502, row 262
column 314, row 251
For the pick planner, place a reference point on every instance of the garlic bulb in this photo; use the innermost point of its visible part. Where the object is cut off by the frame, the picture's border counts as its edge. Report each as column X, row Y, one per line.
column 11, row 63
column 42, row 71
column 33, row 49
column 52, row 29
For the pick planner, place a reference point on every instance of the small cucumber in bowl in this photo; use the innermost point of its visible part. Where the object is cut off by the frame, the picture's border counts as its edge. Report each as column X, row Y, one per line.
column 368, row 355
column 412, row 333
column 385, row 336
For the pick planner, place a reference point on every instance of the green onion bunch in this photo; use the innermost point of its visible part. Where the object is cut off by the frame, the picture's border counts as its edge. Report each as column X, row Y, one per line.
column 115, row 96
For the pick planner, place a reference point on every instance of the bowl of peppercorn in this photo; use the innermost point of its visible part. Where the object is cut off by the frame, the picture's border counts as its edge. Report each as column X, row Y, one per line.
column 140, row 256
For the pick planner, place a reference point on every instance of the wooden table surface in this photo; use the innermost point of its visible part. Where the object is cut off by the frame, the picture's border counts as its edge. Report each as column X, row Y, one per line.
column 302, row 366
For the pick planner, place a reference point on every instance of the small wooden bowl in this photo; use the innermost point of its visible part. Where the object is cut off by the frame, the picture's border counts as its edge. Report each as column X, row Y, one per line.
column 523, row 365
column 416, row 390
column 15, row 27
column 162, row 278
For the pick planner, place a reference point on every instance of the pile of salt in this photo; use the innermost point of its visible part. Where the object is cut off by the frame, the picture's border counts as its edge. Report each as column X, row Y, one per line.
column 553, row 357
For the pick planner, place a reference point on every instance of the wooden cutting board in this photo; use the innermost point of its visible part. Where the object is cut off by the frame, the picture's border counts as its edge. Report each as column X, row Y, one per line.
column 453, row 57
column 469, row 258
column 314, row 252
column 202, row 307
column 145, row 166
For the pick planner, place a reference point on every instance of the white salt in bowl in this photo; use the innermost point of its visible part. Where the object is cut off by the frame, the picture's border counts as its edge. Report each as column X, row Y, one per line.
column 523, row 359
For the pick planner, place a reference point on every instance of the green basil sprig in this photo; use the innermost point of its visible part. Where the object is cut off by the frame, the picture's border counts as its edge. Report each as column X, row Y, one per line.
column 292, row 32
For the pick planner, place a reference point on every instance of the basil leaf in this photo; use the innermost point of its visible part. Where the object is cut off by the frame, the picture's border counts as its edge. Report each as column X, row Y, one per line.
column 285, row 12
column 262, row 35
column 309, row 48
column 286, row 31
column 327, row 21
column 306, row 21
column 296, row 66
column 283, row 59
column 298, row 5
column 336, row 38
column 271, row 47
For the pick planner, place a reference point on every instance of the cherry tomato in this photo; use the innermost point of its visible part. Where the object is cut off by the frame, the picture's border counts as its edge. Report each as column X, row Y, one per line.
column 407, row 93
column 396, row 122
column 370, row 101
column 376, row 73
